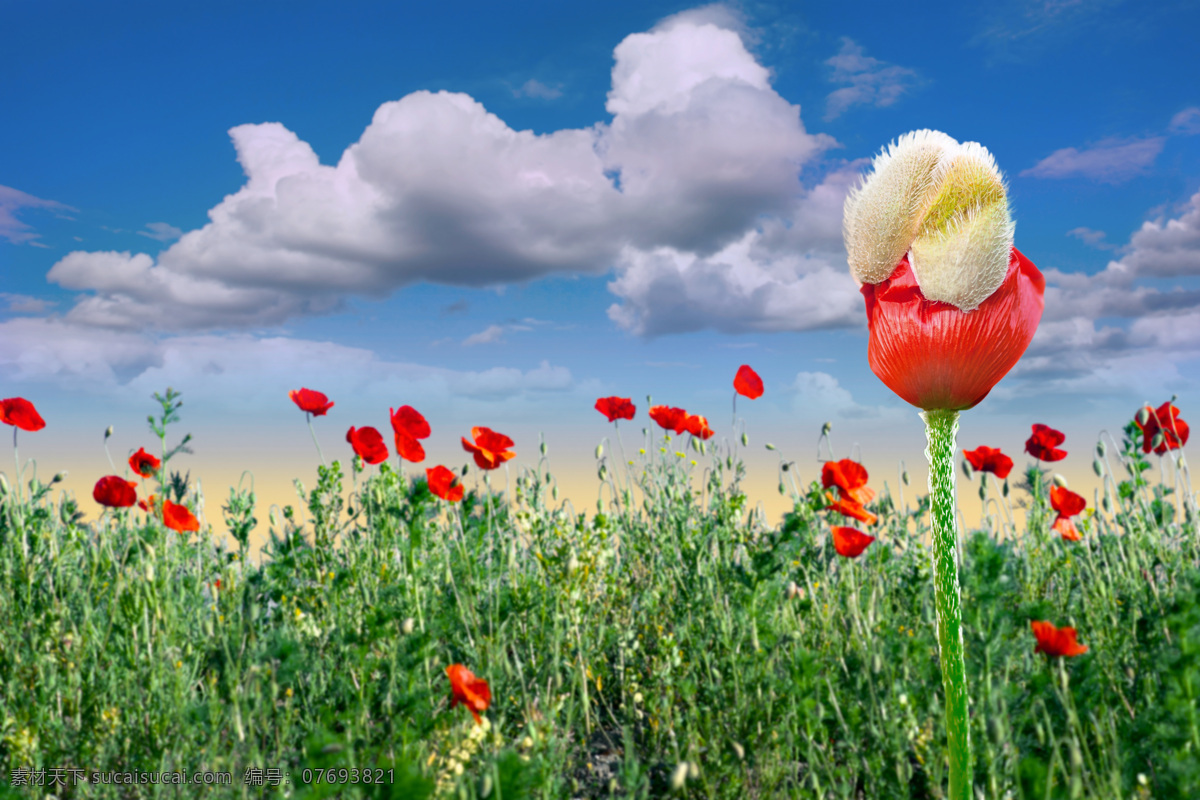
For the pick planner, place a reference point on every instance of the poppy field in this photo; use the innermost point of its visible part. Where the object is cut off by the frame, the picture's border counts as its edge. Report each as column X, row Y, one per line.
column 456, row 631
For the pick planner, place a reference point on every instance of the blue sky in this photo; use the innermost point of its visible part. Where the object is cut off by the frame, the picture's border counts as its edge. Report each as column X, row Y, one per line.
column 497, row 214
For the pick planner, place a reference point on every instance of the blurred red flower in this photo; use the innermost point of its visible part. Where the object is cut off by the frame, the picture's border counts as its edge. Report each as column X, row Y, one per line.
column 408, row 425
column 1165, row 420
column 670, row 418
column 314, row 403
column 1067, row 504
column 442, row 483
column 368, row 444
column 465, row 688
column 697, row 426
column 115, row 492
column 490, row 448
column 143, row 463
column 850, row 542
column 179, row 518
column 1055, row 641
column 20, row 412
column 747, row 383
column 849, row 477
column 851, row 508
column 989, row 459
column 1044, row 442
column 616, row 408
column 148, row 505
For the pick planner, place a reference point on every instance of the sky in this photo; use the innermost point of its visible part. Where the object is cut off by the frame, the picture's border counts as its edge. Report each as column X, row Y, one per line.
column 498, row 213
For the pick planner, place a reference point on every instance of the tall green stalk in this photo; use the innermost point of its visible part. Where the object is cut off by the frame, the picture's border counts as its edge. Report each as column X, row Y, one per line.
column 941, row 428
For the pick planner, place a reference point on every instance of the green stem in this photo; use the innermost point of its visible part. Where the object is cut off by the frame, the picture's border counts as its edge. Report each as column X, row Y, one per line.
column 941, row 427
column 314, row 437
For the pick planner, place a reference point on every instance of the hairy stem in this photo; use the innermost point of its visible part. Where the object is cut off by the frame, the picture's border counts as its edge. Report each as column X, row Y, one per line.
column 941, row 427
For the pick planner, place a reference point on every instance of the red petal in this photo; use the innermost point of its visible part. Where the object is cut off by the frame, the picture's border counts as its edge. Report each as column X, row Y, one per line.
column 935, row 356
column 747, row 383
column 20, row 412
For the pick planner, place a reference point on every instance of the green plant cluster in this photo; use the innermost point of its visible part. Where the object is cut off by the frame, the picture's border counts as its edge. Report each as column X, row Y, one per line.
column 671, row 644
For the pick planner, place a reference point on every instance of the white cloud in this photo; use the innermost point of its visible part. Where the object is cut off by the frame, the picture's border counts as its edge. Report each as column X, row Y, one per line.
column 13, row 229
column 870, row 81
column 1108, row 161
column 24, row 304
column 438, row 189
column 818, row 395
column 161, row 231
column 1186, row 122
column 1091, row 238
column 535, row 88
column 1169, row 248
column 490, row 335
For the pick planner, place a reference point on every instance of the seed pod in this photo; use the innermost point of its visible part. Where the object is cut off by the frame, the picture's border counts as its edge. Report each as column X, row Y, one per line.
column 1060, row 481
column 967, row 469
column 1098, row 467
column 745, row 439
column 599, row 450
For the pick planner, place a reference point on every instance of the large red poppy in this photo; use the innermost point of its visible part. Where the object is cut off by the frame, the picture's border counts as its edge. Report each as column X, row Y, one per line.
column 115, row 492
column 465, row 688
column 1055, row 641
column 1165, row 420
column 850, row 542
column 850, row 477
column 1043, row 444
column 670, row 418
column 850, row 507
column 314, row 403
column 179, row 518
column 442, row 482
column 143, row 463
column 989, row 459
column 697, row 426
column 616, row 408
column 20, row 412
column 490, row 448
column 936, row 356
column 368, row 444
column 747, row 383
column 1067, row 504
column 408, row 426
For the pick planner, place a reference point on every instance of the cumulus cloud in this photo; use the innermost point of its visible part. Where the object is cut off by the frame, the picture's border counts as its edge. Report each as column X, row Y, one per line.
column 13, row 200
column 1108, row 161
column 699, row 149
column 869, row 81
column 535, row 88
column 24, row 304
column 1186, row 122
column 818, row 395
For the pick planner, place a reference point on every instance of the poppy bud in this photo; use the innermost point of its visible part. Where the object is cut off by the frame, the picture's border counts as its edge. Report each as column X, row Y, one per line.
column 1143, row 416
column 1101, row 450
column 603, row 472
column 108, row 432
column 781, row 489
column 703, row 448
column 745, row 439
column 1098, row 467
column 982, row 480
column 3, row 485
column 770, row 446
column 826, row 428
column 695, row 444
column 554, row 492
column 679, row 777
column 464, row 470
column 1157, row 441
column 1060, row 481
column 785, row 466
column 982, row 492
column 904, row 477
column 1006, row 488
column 599, row 450
column 1106, row 503
column 543, row 448
column 967, row 469
column 58, row 477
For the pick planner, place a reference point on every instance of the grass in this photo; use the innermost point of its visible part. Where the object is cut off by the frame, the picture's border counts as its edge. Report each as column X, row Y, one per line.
column 673, row 643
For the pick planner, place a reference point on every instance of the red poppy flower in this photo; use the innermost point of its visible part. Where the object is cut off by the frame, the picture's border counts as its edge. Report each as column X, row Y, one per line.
column 1067, row 504
column 616, row 408
column 314, row 403
column 747, row 383
column 1044, row 442
column 442, row 483
column 1165, row 420
column 851, row 508
column 989, row 459
column 368, row 444
column 465, row 688
column 849, row 477
column 1055, row 641
column 697, row 426
column 936, row 356
column 669, row 418
column 490, row 448
column 148, row 505
column 850, row 542
column 179, row 518
column 115, row 492
column 143, row 463
column 20, row 412
column 408, row 425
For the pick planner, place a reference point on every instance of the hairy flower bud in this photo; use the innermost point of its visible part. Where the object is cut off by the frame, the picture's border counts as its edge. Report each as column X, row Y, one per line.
column 1098, row 467
column 967, row 469
column 1060, row 481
